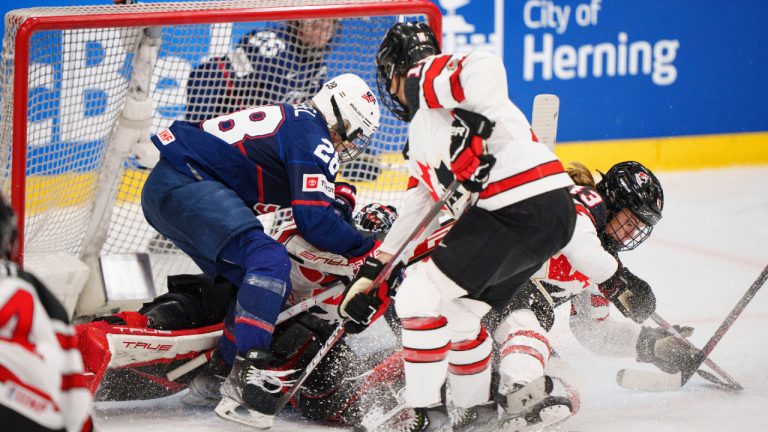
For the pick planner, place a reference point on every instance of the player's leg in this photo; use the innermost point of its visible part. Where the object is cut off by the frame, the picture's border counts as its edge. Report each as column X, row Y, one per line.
column 426, row 341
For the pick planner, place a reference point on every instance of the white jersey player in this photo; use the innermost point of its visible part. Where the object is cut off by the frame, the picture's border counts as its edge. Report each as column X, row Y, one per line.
column 42, row 387
column 615, row 215
column 513, row 212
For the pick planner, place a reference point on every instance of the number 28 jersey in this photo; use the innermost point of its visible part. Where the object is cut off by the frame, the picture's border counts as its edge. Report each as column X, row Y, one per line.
column 273, row 157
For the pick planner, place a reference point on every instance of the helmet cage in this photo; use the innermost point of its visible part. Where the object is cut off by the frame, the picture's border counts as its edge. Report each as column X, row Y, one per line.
column 632, row 186
column 354, row 142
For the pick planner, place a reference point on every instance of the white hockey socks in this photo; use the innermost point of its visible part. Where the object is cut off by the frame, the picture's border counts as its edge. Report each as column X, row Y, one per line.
column 469, row 371
column 425, row 355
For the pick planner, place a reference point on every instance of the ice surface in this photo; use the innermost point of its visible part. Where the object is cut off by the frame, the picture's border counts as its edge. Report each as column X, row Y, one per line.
column 708, row 249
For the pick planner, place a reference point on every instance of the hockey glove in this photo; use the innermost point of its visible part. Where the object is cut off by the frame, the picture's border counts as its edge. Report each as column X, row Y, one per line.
column 361, row 307
column 376, row 218
column 470, row 161
column 344, row 200
column 668, row 353
column 630, row 294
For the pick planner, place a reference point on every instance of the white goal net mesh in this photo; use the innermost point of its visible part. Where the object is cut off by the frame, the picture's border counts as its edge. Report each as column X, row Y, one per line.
column 82, row 192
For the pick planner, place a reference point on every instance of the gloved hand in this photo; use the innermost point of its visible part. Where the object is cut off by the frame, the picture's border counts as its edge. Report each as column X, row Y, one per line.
column 630, row 294
column 344, row 200
column 360, row 307
column 470, row 161
column 668, row 353
column 376, row 218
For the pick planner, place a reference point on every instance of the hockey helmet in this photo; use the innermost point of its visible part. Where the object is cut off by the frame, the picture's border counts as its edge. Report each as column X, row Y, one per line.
column 404, row 45
column 350, row 109
column 630, row 185
column 8, row 231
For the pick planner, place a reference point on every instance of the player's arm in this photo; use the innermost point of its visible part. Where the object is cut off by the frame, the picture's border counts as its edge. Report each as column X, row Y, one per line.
column 311, row 175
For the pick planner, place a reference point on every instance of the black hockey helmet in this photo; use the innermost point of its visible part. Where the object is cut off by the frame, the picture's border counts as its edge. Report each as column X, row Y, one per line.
column 403, row 46
column 632, row 186
column 8, row 233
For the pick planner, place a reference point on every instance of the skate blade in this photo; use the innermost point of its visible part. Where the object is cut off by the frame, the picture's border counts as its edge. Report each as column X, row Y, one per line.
column 228, row 410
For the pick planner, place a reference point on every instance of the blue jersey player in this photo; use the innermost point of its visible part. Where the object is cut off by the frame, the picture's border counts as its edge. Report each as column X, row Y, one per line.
column 214, row 177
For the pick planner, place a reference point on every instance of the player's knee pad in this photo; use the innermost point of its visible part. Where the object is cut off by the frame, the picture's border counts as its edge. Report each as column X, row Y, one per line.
column 464, row 317
column 423, row 290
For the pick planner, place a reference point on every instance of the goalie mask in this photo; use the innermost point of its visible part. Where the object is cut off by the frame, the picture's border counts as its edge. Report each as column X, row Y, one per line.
column 8, row 231
column 635, row 200
column 404, row 45
column 351, row 110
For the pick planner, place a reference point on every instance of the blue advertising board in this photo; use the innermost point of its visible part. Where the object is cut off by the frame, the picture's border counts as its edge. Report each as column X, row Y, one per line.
column 622, row 69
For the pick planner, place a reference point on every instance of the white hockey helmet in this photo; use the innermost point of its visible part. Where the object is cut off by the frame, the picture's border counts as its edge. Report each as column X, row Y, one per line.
column 347, row 100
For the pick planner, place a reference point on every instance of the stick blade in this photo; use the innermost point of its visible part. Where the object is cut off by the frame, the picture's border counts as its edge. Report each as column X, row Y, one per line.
column 546, row 111
column 648, row 381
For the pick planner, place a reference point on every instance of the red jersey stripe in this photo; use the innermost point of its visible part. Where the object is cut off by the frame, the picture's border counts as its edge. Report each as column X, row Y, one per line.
column 430, row 96
column 424, row 323
column 457, row 91
column 67, row 342
column 538, row 172
column 412, row 183
column 310, row 203
column 73, row 381
column 583, row 210
column 260, row 182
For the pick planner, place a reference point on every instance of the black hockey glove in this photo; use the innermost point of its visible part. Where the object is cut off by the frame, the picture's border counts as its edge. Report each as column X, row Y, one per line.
column 668, row 353
column 360, row 307
column 376, row 218
column 470, row 161
column 630, row 294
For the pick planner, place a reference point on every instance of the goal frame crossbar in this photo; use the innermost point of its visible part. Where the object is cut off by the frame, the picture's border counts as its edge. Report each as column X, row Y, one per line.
column 29, row 26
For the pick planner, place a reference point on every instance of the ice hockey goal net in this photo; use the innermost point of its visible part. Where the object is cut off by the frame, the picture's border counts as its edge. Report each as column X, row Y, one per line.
column 75, row 81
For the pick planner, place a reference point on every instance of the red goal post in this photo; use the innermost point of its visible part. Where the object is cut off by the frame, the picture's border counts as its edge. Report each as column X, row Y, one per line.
column 67, row 76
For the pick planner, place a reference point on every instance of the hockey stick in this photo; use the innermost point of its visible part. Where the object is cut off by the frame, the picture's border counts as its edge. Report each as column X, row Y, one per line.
column 658, row 381
column 546, row 110
column 732, row 383
column 433, row 211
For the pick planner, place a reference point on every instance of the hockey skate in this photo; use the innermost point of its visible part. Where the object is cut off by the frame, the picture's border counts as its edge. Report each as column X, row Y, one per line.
column 205, row 388
column 540, row 403
column 481, row 418
column 434, row 419
column 251, row 392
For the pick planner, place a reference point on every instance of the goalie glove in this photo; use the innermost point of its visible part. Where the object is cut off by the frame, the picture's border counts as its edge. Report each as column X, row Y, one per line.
column 470, row 161
column 376, row 218
column 631, row 295
column 360, row 307
column 668, row 353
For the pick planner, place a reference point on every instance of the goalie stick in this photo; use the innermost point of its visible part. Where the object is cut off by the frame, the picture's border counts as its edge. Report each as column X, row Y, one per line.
column 659, row 381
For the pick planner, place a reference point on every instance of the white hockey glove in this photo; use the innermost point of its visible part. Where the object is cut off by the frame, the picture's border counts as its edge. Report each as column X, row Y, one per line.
column 470, row 161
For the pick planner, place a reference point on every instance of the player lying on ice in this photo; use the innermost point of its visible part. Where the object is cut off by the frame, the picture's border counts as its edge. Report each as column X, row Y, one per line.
column 215, row 176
